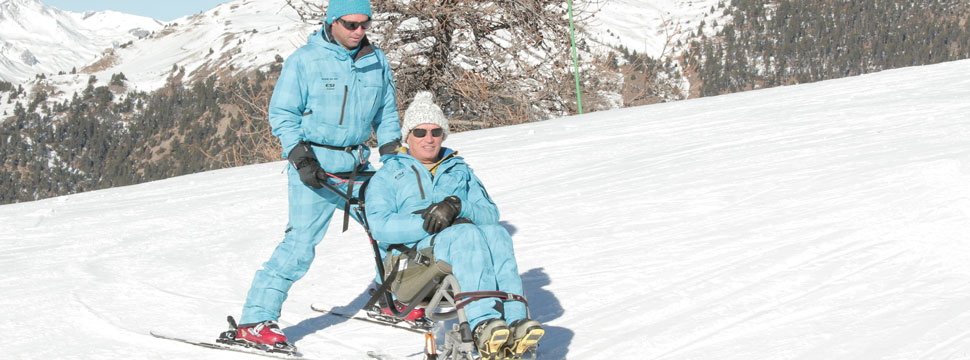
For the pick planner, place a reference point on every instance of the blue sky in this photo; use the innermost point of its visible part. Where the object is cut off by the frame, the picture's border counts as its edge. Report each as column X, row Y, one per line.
column 164, row 10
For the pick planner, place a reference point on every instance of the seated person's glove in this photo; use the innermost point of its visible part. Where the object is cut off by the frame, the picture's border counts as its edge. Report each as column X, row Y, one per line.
column 440, row 215
column 462, row 221
column 305, row 162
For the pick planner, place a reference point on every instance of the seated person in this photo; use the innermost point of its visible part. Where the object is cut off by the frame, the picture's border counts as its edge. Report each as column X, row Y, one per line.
column 426, row 194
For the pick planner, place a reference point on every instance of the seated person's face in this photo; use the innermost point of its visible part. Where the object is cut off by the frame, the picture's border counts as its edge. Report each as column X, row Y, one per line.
column 425, row 148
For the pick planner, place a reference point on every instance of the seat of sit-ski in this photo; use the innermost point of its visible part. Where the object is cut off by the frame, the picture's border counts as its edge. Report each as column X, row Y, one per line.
column 414, row 272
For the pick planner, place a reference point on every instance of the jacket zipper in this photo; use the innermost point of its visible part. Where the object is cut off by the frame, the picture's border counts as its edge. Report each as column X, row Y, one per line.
column 418, row 175
column 343, row 106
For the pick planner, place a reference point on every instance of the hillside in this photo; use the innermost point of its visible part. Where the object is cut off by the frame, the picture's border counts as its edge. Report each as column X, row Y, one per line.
column 191, row 96
column 241, row 34
column 39, row 39
column 817, row 221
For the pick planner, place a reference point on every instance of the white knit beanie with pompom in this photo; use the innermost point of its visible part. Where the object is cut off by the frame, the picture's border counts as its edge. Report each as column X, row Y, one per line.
column 423, row 111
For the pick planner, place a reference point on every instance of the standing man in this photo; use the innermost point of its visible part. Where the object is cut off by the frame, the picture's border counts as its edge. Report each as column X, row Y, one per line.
column 331, row 93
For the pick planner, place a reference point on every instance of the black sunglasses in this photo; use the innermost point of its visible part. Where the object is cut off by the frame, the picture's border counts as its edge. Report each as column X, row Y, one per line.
column 353, row 25
column 436, row 132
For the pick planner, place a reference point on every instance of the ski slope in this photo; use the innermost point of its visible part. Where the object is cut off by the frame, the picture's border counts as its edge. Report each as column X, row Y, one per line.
column 818, row 221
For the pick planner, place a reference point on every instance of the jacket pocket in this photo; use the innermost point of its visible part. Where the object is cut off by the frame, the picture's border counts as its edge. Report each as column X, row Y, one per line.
column 327, row 98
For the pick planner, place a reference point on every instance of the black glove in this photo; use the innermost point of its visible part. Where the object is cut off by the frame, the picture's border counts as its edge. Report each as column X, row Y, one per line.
column 305, row 162
column 462, row 221
column 390, row 148
column 440, row 215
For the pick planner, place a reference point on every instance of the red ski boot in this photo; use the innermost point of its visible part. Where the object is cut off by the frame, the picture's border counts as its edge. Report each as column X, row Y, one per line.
column 416, row 318
column 415, row 315
column 264, row 335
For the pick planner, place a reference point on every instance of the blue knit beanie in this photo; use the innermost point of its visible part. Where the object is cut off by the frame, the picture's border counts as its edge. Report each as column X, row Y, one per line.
column 339, row 8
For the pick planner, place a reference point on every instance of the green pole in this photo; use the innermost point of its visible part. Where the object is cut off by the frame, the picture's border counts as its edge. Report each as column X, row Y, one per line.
column 579, row 98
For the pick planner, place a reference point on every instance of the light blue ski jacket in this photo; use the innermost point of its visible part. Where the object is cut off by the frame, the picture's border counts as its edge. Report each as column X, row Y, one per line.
column 403, row 185
column 325, row 96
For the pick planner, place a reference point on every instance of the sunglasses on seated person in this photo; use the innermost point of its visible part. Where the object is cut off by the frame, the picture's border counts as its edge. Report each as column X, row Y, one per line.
column 353, row 25
column 436, row 132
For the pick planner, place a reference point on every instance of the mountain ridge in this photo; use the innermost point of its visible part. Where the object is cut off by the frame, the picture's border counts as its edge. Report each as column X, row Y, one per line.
column 40, row 39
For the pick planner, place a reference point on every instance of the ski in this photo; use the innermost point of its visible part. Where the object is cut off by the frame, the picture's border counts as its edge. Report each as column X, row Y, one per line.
column 323, row 309
column 262, row 351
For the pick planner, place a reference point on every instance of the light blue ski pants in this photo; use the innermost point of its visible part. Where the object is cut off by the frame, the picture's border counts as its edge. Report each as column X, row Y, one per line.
column 310, row 213
column 482, row 259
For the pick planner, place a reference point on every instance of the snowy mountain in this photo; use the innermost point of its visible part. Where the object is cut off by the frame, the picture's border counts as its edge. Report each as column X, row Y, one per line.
column 818, row 221
column 234, row 36
column 240, row 35
column 37, row 38
column 650, row 26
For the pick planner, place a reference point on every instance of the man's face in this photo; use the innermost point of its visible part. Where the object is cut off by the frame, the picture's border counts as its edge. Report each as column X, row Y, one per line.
column 349, row 38
column 426, row 148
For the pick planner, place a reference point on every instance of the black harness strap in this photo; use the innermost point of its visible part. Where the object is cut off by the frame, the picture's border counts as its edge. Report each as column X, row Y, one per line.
column 350, row 193
column 379, row 293
column 478, row 295
column 386, row 281
column 338, row 148
column 351, row 177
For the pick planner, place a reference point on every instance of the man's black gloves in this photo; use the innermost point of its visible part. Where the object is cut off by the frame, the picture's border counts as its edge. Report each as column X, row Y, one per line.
column 307, row 165
column 390, row 148
column 440, row 215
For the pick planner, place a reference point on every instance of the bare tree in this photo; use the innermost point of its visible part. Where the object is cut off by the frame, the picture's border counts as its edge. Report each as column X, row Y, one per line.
column 248, row 110
column 647, row 80
column 490, row 63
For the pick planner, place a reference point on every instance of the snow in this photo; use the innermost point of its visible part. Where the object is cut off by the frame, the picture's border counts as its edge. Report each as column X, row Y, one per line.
column 646, row 25
column 60, row 40
column 246, row 35
column 239, row 35
column 817, row 221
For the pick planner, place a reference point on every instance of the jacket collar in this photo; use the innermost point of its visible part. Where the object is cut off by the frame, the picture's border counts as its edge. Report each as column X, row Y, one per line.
column 324, row 37
column 444, row 154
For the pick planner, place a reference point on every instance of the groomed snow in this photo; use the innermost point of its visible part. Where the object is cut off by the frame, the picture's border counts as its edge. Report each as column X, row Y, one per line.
column 818, row 221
